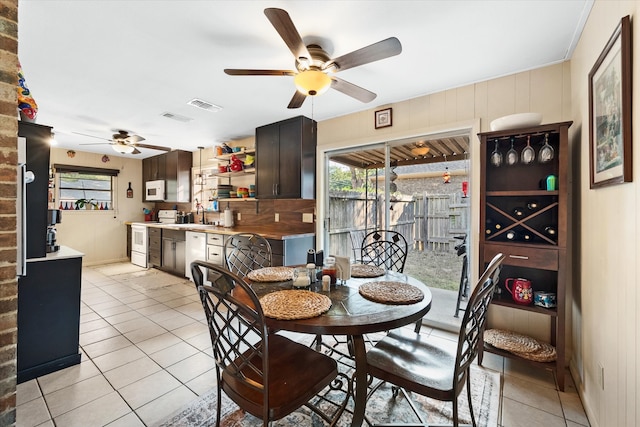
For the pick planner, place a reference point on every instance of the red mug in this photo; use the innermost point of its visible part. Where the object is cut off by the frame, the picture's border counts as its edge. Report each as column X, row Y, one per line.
column 521, row 291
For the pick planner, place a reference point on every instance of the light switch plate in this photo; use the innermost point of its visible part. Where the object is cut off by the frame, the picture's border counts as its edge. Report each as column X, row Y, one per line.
column 277, row 218
column 307, row 217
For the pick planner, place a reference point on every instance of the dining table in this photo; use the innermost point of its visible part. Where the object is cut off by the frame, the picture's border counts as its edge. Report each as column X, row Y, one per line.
column 352, row 315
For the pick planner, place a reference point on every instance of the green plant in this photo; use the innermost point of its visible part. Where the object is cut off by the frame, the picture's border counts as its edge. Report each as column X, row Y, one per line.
column 82, row 203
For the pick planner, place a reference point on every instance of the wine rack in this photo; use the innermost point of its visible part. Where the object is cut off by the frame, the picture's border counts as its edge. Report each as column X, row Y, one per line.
column 523, row 215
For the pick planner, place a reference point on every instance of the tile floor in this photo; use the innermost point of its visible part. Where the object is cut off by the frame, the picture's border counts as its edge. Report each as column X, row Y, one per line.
column 146, row 352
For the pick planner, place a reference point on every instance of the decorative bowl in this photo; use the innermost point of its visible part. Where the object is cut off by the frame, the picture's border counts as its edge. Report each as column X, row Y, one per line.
column 515, row 121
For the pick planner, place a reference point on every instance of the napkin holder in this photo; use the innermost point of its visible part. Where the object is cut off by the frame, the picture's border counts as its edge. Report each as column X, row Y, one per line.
column 343, row 265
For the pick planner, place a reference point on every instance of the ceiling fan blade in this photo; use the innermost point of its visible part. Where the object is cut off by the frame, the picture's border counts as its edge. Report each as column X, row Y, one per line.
column 134, row 138
column 297, row 100
column 241, row 72
column 97, row 143
column 352, row 90
column 283, row 24
column 375, row 52
column 136, row 151
column 153, row 147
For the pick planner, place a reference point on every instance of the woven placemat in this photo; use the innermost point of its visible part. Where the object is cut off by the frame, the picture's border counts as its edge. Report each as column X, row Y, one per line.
column 391, row 292
column 294, row 304
column 363, row 270
column 271, row 274
column 520, row 345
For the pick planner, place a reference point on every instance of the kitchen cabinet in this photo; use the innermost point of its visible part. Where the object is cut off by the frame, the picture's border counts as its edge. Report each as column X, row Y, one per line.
column 37, row 160
column 286, row 159
column 174, row 168
column 215, row 248
column 195, row 249
column 154, row 248
column 291, row 251
column 49, row 314
column 173, row 252
column 527, row 221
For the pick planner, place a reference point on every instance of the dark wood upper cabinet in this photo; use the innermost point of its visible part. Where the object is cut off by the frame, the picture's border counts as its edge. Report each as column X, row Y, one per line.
column 286, row 159
column 174, row 168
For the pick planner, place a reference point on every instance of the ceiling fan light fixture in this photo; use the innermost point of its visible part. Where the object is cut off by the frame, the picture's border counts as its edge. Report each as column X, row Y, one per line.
column 312, row 82
column 123, row 148
column 420, row 150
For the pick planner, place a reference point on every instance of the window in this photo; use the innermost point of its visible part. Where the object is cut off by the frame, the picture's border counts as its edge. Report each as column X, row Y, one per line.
column 85, row 188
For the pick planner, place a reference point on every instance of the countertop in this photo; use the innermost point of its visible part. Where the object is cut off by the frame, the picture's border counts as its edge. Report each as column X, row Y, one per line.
column 63, row 253
column 269, row 232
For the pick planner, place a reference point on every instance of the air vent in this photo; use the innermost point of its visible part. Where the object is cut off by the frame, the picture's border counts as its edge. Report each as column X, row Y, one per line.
column 199, row 103
column 177, row 117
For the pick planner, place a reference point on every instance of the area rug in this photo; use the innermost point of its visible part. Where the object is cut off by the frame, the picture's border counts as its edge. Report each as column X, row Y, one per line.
column 381, row 408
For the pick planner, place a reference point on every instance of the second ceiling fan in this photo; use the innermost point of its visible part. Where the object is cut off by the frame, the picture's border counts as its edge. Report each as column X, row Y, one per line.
column 315, row 70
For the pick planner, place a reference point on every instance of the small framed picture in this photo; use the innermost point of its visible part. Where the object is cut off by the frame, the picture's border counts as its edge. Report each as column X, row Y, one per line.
column 383, row 118
column 610, row 111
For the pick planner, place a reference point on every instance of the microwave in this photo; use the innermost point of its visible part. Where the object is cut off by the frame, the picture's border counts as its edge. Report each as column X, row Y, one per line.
column 154, row 191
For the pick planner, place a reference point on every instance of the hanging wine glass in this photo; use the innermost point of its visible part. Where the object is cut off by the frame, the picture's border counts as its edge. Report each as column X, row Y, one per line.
column 528, row 154
column 512, row 155
column 546, row 152
column 496, row 156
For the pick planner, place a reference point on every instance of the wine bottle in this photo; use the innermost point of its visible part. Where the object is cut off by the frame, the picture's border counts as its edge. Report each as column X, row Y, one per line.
column 511, row 235
column 129, row 192
column 518, row 212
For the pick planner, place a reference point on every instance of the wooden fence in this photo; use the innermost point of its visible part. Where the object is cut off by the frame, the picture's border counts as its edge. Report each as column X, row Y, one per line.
column 428, row 222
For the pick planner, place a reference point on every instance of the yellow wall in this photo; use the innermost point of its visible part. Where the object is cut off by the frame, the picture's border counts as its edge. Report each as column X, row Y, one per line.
column 101, row 235
column 607, row 301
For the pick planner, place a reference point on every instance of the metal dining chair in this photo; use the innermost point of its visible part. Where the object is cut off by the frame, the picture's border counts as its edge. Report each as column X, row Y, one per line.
column 245, row 252
column 385, row 248
column 439, row 370
column 266, row 375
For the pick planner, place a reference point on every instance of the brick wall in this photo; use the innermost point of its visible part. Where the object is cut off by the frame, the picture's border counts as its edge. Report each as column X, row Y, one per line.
column 8, row 161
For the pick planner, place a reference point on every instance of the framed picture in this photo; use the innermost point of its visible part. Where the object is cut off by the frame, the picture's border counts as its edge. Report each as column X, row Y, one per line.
column 383, row 118
column 610, row 111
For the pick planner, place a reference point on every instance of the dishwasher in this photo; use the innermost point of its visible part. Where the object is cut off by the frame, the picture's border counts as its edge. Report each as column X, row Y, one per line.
column 196, row 249
column 173, row 247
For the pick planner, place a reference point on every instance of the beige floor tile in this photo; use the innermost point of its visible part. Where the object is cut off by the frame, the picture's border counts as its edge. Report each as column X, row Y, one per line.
column 516, row 414
column 133, row 324
column 68, row 376
column 203, row 383
column 89, row 316
column 161, row 408
column 119, row 357
column 178, row 302
column 76, row 395
column 93, row 325
column 163, row 315
column 124, row 317
column 149, row 307
column 158, row 343
column 27, row 391
column 130, row 299
column 32, row 413
column 98, row 335
column 573, row 409
column 98, row 412
column 201, row 341
column 144, row 334
column 106, row 346
column 572, row 424
column 191, row 330
column 493, row 361
column 191, row 367
column 131, row 372
column 175, row 322
column 112, row 311
column 532, row 394
column 129, row 420
column 526, row 371
column 174, row 354
column 48, row 423
column 149, row 388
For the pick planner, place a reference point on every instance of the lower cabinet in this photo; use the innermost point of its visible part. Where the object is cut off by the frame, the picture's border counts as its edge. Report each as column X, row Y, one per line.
column 173, row 252
column 155, row 247
column 49, row 314
column 291, row 251
column 215, row 249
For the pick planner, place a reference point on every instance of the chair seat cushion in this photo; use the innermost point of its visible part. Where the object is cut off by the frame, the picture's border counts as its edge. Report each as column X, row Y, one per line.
column 296, row 374
column 424, row 365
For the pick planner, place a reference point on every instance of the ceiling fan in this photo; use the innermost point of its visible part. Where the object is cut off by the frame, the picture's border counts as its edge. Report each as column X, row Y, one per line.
column 124, row 143
column 314, row 69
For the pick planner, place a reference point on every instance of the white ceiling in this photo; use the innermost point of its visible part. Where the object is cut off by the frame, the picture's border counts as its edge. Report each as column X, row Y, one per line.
column 100, row 65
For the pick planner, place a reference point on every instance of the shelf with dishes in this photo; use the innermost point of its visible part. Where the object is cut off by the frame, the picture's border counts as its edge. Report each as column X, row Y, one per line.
column 245, row 171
